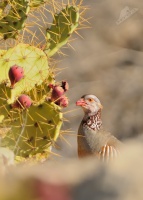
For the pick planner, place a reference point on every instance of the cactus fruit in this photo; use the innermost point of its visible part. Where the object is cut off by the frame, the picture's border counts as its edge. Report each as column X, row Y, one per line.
column 34, row 63
column 16, row 73
column 24, row 101
column 63, row 101
column 64, row 24
column 58, row 96
column 13, row 20
column 57, row 92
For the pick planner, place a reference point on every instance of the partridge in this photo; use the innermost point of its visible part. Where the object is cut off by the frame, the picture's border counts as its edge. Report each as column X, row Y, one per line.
column 92, row 138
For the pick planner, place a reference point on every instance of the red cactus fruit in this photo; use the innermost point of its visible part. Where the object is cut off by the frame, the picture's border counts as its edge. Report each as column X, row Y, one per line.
column 57, row 92
column 62, row 101
column 23, row 101
column 16, row 73
column 58, row 96
column 65, row 85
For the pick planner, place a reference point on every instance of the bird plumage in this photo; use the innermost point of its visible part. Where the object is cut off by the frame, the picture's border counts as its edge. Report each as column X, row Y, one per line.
column 92, row 138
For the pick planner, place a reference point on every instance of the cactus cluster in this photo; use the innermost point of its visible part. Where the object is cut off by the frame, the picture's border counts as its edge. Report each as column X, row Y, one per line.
column 30, row 99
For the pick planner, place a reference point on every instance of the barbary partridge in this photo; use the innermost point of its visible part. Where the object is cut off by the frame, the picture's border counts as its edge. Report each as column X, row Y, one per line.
column 92, row 138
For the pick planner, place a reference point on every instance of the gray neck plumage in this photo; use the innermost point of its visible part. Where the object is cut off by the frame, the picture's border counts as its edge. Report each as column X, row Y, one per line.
column 93, row 122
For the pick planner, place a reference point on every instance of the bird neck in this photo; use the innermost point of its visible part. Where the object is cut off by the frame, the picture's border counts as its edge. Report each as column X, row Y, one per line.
column 93, row 122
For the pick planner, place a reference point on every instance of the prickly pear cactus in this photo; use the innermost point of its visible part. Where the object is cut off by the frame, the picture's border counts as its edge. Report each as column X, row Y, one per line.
column 64, row 24
column 13, row 17
column 30, row 99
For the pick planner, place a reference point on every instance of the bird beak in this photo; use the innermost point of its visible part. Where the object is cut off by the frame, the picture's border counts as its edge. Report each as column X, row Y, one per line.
column 100, row 106
column 80, row 102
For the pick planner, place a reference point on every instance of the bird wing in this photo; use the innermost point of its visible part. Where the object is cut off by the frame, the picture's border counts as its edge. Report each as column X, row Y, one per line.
column 108, row 152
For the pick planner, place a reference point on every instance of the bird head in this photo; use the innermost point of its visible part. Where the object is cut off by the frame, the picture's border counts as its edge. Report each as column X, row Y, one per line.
column 90, row 104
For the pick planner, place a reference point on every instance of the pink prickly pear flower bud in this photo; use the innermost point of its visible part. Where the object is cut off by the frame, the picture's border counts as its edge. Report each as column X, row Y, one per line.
column 15, row 74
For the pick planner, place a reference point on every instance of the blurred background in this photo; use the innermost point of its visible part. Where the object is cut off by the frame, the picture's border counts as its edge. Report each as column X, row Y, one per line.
column 107, row 62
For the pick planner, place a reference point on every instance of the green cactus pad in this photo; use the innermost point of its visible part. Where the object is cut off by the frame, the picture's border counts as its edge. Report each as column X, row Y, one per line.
column 33, row 131
column 36, row 3
column 34, row 63
column 13, row 17
column 4, row 107
column 3, row 9
column 64, row 24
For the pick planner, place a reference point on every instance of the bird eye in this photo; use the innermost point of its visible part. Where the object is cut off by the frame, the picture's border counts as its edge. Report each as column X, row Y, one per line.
column 90, row 99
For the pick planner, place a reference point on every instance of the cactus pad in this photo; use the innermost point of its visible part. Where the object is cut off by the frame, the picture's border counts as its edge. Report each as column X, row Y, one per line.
column 13, row 17
column 35, row 66
column 33, row 131
column 36, row 3
column 64, row 24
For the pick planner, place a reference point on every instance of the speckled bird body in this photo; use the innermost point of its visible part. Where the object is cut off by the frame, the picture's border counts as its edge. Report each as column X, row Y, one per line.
column 92, row 138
